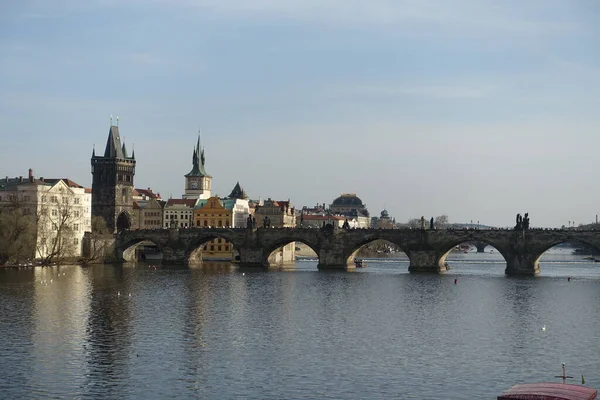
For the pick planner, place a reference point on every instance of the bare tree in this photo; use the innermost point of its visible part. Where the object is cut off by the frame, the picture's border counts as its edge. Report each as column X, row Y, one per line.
column 414, row 223
column 17, row 233
column 441, row 222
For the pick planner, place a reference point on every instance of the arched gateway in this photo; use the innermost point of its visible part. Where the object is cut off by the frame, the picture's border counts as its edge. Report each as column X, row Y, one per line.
column 426, row 249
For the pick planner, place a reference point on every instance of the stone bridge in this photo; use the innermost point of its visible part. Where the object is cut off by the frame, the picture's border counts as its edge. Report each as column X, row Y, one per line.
column 336, row 248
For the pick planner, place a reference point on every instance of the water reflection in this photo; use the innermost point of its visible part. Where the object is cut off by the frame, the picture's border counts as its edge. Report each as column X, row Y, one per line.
column 218, row 331
column 108, row 332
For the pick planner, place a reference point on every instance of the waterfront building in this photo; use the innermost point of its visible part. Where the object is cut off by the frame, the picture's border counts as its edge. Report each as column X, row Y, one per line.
column 278, row 214
column 351, row 207
column 112, row 183
column 212, row 213
column 179, row 213
column 62, row 210
column 197, row 181
column 149, row 213
column 238, row 202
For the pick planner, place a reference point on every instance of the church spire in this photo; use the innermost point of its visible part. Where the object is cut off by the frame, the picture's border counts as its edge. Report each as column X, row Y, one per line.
column 198, row 160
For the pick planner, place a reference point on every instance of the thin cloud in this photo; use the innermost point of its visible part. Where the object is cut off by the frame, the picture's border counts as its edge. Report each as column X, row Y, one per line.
column 438, row 92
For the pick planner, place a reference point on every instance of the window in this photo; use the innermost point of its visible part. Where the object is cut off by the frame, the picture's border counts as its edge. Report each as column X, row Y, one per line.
column 75, row 241
column 76, row 227
column 54, row 212
column 205, row 222
column 212, row 248
column 65, row 200
column 43, row 199
column 53, row 199
column 76, row 213
column 76, row 200
column 205, row 247
column 0, row 198
column 219, row 248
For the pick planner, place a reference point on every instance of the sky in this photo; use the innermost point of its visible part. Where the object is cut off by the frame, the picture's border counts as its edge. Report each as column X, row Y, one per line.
column 475, row 109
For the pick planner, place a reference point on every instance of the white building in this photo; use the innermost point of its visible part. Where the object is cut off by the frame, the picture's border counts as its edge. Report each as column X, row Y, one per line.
column 239, row 205
column 63, row 211
column 179, row 213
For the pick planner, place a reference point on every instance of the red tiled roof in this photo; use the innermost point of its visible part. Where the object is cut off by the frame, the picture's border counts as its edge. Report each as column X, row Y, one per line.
column 148, row 193
column 188, row 202
column 69, row 182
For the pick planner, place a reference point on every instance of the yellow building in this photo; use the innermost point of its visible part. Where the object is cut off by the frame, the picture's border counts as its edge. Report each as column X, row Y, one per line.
column 213, row 213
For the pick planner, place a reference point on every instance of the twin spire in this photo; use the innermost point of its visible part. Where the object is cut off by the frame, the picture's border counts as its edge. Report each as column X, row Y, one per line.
column 198, row 160
column 114, row 148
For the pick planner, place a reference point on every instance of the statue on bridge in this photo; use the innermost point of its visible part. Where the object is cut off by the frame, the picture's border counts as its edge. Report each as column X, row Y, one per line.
column 431, row 224
column 422, row 222
column 526, row 221
column 266, row 222
column 522, row 222
column 519, row 224
column 346, row 224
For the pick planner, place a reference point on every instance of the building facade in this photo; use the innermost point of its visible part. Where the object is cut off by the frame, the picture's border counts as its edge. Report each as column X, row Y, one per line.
column 149, row 213
column 179, row 213
column 212, row 213
column 278, row 214
column 112, row 183
column 62, row 211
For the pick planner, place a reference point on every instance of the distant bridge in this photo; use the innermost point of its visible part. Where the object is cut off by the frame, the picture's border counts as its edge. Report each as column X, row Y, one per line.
column 336, row 248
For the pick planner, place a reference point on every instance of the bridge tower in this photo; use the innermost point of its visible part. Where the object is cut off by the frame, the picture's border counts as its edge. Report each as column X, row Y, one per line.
column 112, row 183
column 197, row 181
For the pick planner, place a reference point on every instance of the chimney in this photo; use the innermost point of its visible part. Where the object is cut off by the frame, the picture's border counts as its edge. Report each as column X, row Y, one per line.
column 42, row 178
column 30, row 175
column 20, row 179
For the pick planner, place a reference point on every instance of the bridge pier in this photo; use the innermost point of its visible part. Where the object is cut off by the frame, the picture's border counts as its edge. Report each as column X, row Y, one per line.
column 252, row 258
column 519, row 264
column 425, row 261
column 173, row 255
column 480, row 247
column 330, row 259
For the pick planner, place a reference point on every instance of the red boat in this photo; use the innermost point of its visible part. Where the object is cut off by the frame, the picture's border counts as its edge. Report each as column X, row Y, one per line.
column 549, row 391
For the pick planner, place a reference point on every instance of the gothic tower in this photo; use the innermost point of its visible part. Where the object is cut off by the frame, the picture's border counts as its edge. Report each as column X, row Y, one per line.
column 197, row 181
column 112, row 183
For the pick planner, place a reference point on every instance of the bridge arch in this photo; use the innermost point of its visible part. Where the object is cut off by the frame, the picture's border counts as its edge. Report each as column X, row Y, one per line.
column 564, row 240
column 218, row 245
column 356, row 247
column 131, row 251
column 448, row 248
column 271, row 258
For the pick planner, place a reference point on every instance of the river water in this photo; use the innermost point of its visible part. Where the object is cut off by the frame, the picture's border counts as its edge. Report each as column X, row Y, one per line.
column 220, row 332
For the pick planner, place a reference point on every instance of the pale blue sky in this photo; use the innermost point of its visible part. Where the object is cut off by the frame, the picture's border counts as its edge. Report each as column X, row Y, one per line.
column 477, row 109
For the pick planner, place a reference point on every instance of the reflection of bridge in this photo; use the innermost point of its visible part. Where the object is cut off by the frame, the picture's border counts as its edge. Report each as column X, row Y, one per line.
column 426, row 249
